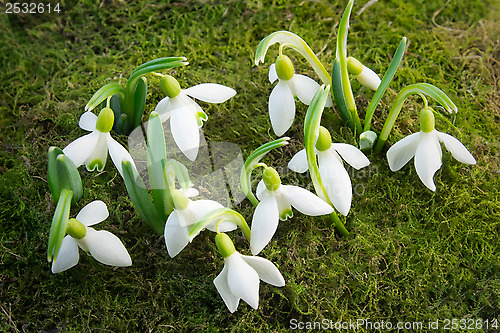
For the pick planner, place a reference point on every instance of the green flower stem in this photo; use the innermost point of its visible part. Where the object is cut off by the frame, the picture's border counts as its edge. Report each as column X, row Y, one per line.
column 251, row 163
column 296, row 43
column 220, row 215
column 418, row 88
column 389, row 75
column 339, row 226
column 59, row 224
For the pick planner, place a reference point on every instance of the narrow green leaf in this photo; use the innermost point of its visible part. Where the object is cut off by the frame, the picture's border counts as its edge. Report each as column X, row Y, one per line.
column 296, row 43
column 52, row 175
column 102, row 94
column 220, row 215
column 59, row 224
column 338, row 95
column 251, row 162
column 140, row 198
column 159, row 61
column 140, row 93
column 389, row 75
column 132, row 81
column 69, row 177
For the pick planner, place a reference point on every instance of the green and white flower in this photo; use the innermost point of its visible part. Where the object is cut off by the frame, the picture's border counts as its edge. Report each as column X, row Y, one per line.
column 425, row 147
column 102, row 245
column 241, row 275
column 186, row 116
column 92, row 149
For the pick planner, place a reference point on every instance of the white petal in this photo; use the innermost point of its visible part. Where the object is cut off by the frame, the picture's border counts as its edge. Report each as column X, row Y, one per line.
column 273, row 75
column 351, row 155
column 211, row 92
column 369, row 78
column 176, row 236
column 223, row 288
column 243, row 280
column 305, row 202
column 88, row 121
column 118, row 154
column 281, row 108
column 336, row 181
column 79, row 150
column 185, row 131
column 261, row 190
column 107, row 248
column 298, row 163
column 267, row 271
column 99, row 155
column 190, row 192
column 402, row 151
column 264, row 223
column 305, row 88
column 284, row 207
column 67, row 256
column 428, row 158
column 93, row 213
column 457, row 149
column 163, row 109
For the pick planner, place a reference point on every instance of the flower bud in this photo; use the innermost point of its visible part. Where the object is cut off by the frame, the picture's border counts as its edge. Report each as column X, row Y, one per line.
column 354, row 67
column 76, row 229
column 363, row 74
column 224, row 245
column 105, row 120
column 427, row 120
column 284, row 67
column 180, row 200
column 271, row 179
column 324, row 139
column 170, row 86
column 367, row 140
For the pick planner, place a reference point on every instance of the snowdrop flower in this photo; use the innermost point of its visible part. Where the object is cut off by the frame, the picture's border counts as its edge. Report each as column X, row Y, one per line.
column 102, row 245
column 186, row 116
column 363, row 74
column 241, row 275
column 92, row 149
column 425, row 147
column 281, row 100
column 276, row 203
column 331, row 169
column 186, row 213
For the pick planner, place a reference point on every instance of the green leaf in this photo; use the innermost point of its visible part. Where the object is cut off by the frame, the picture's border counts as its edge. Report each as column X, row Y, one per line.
column 338, row 95
column 176, row 170
column 59, row 224
column 251, row 162
column 102, row 94
column 62, row 174
column 296, row 43
column 52, row 175
column 161, row 65
column 140, row 198
column 220, row 215
column 140, row 93
column 389, row 75
column 157, row 161
column 159, row 61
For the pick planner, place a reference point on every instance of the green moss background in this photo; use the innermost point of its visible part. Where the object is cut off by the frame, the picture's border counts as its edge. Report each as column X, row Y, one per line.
column 414, row 255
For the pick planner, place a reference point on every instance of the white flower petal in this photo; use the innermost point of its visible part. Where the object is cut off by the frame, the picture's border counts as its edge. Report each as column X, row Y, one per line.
column 261, row 190
column 243, row 280
column 336, row 181
column 222, row 286
column 93, row 213
column 368, row 78
column 267, row 271
column 185, row 131
column 428, row 158
column 88, row 121
column 305, row 88
column 118, row 154
column 107, row 248
column 67, row 256
column 281, row 108
column 457, row 149
column 190, row 192
column 273, row 75
column 163, row 108
column 79, row 150
column 210, row 92
column 402, row 151
column 351, row 155
column 298, row 163
column 264, row 223
column 284, row 207
column 176, row 235
column 305, row 202
column 99, row 155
